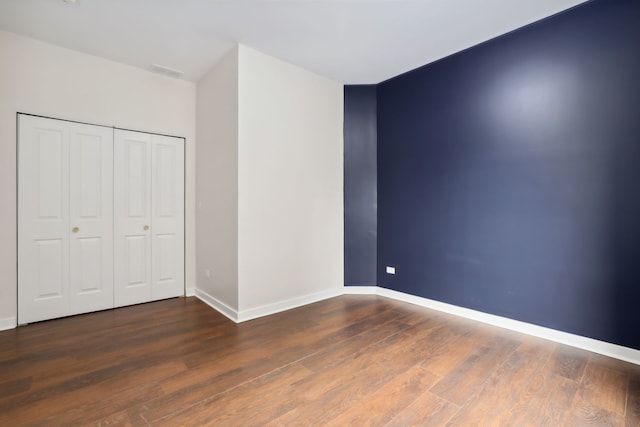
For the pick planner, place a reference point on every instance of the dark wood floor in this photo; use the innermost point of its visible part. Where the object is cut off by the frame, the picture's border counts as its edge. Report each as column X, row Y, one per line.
column 351, row 360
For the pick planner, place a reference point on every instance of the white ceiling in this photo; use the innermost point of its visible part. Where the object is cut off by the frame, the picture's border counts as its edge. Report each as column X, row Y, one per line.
column 351, row 41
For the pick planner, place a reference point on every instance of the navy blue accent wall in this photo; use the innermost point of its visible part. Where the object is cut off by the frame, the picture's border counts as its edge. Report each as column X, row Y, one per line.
column 360, row 185
column 509, row 175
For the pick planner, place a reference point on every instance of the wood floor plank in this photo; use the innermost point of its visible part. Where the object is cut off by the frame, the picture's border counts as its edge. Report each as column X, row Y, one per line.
column 352, row 383
column 251, row 404
column 610, row 363
column 570, row 362
column 550, row 400
column 465, row 380
column 350, row 360
column 264, row 356
column 459, row 344
column 586, row 413
column 93, row 409
column 194, row 391
column 503, row 395
column 13, row 387
column 338, row 351
column 383, row 405
column 632, row 416
column 125, row 418
column 427, row 410
column 390, row 354
column 604, row 387
column 97, row 395
column 261, row 356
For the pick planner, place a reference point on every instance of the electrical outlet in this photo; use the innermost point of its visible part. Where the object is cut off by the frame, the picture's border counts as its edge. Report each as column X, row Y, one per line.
column 391, row 270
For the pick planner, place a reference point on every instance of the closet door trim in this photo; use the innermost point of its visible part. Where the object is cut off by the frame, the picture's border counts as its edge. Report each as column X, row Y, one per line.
column 19, row 115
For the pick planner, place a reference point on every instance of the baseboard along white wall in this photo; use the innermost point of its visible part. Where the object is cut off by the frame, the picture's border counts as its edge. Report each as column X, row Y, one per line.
column 217, row 305
column 265, row 310
column 289, row 304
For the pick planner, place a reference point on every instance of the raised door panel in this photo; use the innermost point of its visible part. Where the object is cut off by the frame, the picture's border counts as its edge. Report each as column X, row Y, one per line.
column 91, row 218
column 167, row 217
column 43, row 219
column 132, row 221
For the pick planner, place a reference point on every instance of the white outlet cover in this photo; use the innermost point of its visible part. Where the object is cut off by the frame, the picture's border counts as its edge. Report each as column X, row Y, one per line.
column 391, row 270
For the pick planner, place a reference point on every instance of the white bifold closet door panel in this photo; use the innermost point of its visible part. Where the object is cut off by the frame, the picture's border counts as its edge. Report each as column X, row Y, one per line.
column 149, row 217
column 65, row 218
column 167, row 216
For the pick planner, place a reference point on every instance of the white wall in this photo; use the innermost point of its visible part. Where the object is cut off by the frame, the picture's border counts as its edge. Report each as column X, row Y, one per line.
column 43, row 79
column 290, row 182
column 269, row 165
column 217, row 181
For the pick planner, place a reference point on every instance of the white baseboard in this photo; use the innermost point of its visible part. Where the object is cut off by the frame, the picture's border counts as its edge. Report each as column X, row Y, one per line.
column 8, row 323
column 601, row 347
column 190, row 292
column 264, row 310
column 360, row 290
column 216, row 304
column 289, row 304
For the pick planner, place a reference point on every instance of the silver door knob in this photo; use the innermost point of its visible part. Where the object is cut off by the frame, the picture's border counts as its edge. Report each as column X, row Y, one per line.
column 146, row 227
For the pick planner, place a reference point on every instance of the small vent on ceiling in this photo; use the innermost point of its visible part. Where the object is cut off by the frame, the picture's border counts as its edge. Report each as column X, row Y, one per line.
column 166, row 70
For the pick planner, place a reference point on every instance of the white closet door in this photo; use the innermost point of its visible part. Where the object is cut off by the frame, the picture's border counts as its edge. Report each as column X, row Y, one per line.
column 91, row 217
column 43, row 219
column 167, row 217
column 132, row 210
column 55, row 187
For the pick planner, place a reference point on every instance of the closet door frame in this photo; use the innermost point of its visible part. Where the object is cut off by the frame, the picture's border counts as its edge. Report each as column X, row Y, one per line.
column 20, row 319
